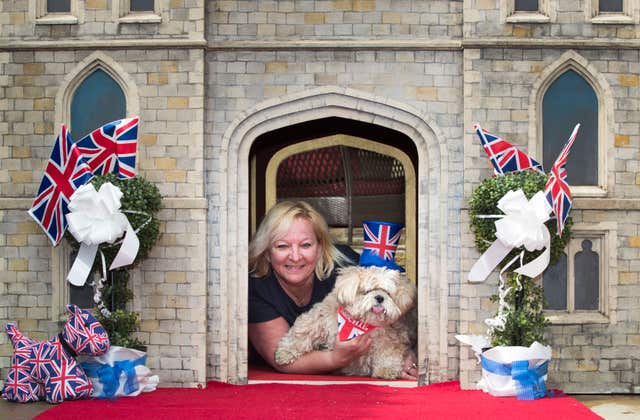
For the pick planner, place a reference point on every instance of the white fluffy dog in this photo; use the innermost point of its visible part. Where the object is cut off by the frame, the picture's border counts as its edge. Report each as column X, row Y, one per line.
column 373, row 295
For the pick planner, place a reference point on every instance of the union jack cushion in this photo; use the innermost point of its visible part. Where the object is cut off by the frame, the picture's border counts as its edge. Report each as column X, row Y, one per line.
column 47, row 370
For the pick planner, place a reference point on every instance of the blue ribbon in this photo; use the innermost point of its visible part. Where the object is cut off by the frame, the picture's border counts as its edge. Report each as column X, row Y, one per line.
column 529, row 381
column 109, row 376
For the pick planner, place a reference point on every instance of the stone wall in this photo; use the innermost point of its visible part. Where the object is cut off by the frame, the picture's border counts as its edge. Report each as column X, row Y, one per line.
column 206, row 76
column 564, row 20
column 334, row 19
column 98, row 20
column 501, row 84
column 169, row 287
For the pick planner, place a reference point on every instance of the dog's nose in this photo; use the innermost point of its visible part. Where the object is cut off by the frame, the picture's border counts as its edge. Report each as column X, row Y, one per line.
column 379, row 299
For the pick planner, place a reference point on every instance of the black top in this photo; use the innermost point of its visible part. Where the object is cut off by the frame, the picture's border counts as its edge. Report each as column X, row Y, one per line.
column 268, row 301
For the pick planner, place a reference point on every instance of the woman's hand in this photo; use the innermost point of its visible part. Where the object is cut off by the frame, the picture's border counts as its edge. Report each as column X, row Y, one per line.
column 346, row 351
column 409, row 367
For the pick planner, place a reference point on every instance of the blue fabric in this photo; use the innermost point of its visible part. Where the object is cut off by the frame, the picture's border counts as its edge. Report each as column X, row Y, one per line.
column 109, row 376
column 529, row 386
column 529, row 381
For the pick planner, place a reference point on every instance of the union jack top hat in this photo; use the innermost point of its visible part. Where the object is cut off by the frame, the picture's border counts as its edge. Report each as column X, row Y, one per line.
column 380, row 244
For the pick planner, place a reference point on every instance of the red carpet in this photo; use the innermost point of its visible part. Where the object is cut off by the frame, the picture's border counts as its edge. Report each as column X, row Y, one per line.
column 286, row 401
column 266, row 373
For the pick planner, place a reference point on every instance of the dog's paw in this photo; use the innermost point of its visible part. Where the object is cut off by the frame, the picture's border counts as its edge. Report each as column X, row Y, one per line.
column 387, row 372
column 285, row 356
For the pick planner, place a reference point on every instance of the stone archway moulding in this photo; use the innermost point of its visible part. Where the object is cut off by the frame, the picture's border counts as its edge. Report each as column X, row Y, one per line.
column 233, row 208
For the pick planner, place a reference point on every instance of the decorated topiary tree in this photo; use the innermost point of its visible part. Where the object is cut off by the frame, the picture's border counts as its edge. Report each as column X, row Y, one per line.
column 524, row 322
column 520, row 221
column 140, row 202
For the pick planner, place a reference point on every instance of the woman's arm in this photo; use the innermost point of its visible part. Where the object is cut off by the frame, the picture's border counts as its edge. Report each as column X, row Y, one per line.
column 265, row 337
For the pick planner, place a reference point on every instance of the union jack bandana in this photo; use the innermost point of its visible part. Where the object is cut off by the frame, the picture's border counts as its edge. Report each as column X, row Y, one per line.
column 349, row 328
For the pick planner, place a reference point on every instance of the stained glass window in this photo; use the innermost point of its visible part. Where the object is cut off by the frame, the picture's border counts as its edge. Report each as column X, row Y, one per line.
column 526, row 5
column 568, row 101
column 554, row 282
column 58, row 6
column 98, row 100
column 610, row 6
column 141, row 5
column 587, row 263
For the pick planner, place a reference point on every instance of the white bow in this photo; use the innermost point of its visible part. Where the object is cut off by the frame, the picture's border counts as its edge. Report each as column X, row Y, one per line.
column 521, row 225
column 96, row 218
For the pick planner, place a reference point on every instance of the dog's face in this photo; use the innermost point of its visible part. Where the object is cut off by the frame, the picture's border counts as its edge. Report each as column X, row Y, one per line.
column 375, row 295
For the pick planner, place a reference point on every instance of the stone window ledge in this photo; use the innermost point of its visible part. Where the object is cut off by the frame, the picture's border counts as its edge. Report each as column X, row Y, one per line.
column 527, row 17
column 140, row 18
column 57, row 19
column 588, row 191
column 612, row 19
column 568, row 318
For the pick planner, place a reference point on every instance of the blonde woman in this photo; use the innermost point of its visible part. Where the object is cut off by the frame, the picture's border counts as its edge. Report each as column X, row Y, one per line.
column 292, row 263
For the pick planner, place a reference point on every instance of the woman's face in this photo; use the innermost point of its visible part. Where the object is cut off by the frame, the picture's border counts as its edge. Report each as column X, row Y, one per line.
column 294, row 256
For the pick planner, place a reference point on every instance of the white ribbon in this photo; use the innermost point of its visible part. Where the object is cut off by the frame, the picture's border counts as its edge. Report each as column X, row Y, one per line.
column 477, row 342
column 521, row 225
column 97, row 296
column 499, row 321
column 95, row 218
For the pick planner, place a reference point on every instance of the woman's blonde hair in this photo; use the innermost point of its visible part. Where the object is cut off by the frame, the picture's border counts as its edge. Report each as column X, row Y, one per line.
column 277, row 222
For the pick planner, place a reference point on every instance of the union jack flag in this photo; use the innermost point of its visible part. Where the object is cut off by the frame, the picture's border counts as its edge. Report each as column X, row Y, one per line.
column 112, row 148
column 382, row 243
column 503, row 155
column 557, row 189
column 349, row 328
column 65, row 171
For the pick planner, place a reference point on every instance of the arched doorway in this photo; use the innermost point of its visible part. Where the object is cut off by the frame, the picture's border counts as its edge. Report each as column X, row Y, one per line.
column 248, row 144
column 373, row 176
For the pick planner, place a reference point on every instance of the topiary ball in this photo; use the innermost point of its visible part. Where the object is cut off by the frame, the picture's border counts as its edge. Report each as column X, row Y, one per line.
column 484, row 201
column 139, row 195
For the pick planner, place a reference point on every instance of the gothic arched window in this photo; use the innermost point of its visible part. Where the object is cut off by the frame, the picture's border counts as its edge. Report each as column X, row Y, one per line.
column 569, row 100
column 97, row 101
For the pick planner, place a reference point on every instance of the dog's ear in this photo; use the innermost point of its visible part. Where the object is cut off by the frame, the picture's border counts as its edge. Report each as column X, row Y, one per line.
column 406, row 294
column 347, row 284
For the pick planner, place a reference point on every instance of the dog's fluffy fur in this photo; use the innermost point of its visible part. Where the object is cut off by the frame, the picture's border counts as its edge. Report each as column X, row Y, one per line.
column 375, row 295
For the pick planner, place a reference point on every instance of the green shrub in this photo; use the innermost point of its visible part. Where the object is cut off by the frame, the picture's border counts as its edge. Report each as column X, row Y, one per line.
column 525, row 323
column 138, row 195
column 484, row 201
column 120, row 326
